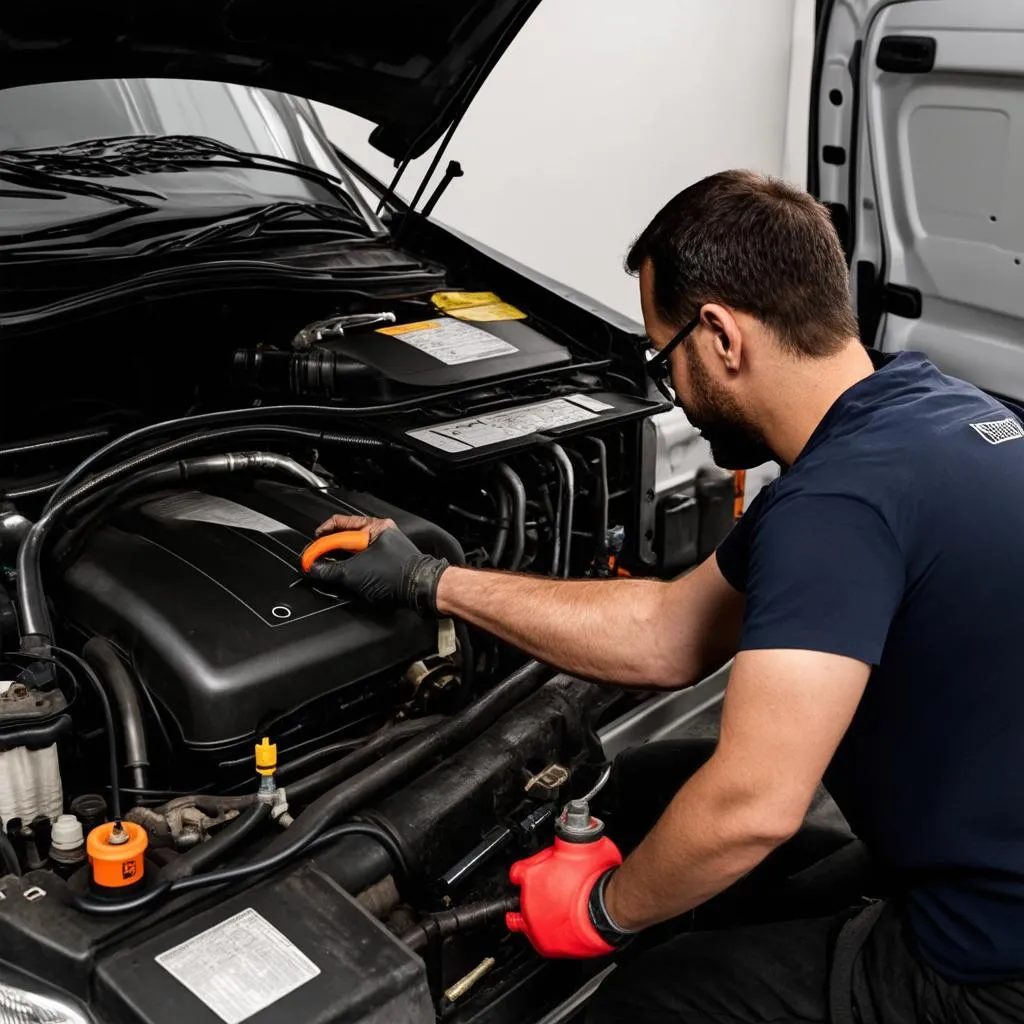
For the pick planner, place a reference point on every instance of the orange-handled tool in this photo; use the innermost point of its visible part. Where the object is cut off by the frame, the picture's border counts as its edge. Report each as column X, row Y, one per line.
column 346, row 540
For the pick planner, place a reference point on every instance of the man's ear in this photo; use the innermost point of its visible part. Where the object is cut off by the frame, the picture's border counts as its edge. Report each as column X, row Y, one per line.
column 727, row 338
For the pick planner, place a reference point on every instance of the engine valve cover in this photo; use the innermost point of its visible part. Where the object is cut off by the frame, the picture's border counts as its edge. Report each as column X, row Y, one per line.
column 203, row 589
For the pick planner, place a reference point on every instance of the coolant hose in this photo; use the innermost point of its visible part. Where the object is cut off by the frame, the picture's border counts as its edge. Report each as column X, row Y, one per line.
column 501, row 537
column 99, row 505
column 564, row 464
column 393, row 768
column 33, row 614
column 205, row 855
column 13, row 530
column 518, row 493
column 114, row 674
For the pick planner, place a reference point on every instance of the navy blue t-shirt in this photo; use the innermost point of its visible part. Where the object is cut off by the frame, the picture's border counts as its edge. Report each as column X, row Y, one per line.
column 897, row 538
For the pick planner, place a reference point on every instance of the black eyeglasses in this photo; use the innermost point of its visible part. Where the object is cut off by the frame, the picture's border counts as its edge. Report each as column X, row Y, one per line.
column 658, row 368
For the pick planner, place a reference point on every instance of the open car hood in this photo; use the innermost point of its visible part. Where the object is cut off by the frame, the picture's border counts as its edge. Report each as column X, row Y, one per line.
column 409, row 66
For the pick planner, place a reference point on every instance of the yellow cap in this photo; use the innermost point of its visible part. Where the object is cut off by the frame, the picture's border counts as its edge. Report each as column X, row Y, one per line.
column 266, row 757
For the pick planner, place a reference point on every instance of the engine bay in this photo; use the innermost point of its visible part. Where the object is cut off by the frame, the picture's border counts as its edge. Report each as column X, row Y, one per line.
column 272, row 748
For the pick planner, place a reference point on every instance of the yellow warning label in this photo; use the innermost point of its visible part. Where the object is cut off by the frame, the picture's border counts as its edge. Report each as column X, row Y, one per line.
column 423, row 325
column 482, row 307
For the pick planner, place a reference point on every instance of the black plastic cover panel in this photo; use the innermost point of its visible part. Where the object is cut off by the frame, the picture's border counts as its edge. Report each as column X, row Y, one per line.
column 203, row 589
column 446, row 352
column 295, row 949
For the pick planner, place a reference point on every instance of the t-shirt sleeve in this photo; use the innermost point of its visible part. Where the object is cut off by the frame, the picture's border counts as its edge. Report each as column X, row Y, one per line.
column 733, row 552
column 825, row 574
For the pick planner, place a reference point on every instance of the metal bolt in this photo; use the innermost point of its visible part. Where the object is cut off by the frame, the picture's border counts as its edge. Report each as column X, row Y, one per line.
column 577, row 815
column 118, row 835
column 463, row 985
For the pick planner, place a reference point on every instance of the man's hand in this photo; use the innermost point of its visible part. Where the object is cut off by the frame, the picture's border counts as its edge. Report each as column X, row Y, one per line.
column 625, row 631
column 391, row 572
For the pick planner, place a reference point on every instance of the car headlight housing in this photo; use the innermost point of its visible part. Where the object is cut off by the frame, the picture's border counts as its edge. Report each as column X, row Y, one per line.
column 22, row 1006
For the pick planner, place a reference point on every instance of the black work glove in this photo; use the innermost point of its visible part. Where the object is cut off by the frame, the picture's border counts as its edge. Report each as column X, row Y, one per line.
column 391, row 572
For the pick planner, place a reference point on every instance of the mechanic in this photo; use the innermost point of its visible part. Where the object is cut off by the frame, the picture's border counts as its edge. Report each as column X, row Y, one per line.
column 871, row 597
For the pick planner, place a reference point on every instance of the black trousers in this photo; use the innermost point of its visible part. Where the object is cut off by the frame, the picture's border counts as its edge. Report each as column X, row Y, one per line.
column 814, row 951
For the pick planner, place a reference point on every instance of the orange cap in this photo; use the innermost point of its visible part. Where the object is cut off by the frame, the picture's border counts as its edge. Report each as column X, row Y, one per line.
column 346, row 540
column 117, row 866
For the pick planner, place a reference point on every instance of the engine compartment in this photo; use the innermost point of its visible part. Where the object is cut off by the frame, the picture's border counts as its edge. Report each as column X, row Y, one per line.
column 203, row 592
column 156, row 629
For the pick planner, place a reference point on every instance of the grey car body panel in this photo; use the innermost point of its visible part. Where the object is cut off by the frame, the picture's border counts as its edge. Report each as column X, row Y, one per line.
column 931, row 160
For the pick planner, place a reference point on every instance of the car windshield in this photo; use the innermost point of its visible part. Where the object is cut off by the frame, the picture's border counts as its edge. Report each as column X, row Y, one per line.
column 252, row 121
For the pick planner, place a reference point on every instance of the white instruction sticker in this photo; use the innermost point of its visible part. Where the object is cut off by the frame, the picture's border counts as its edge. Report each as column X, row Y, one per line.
column 240, row 966
column 507, row 425
column 593, row 404
column 451, row 341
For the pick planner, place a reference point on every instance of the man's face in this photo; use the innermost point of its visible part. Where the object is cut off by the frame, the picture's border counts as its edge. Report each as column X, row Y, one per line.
column 703, row 389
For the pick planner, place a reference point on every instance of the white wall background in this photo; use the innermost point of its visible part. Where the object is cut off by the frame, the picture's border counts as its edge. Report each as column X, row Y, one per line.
column 603, row 109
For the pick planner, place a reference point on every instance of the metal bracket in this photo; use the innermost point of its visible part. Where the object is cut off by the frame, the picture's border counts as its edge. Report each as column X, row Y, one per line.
column 550, row 779
column 34, row 893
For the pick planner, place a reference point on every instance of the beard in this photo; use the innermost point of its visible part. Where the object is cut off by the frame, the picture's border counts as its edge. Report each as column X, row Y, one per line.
column 736, row 442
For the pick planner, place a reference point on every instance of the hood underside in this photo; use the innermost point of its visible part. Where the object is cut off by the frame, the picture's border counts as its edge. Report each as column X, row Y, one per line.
column 409, row 66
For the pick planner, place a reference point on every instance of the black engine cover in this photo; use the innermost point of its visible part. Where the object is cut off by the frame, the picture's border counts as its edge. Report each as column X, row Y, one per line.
column 203, row 589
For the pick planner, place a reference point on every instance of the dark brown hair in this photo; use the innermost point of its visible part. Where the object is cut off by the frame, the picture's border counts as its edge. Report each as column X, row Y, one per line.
column 759, row 245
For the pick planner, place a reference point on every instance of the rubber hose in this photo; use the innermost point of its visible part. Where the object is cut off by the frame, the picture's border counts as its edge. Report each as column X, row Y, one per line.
column 8, row 856
column 337, row 771
column 569, row 476
column 98, row 507
column 556, row 546
column 205, row 855
column 518, row 493
column 32, row 609
column 256, row 413
column 344, row 768
column 501, row 537
column 100, row 654
column 47, row 444
column 343, row 799
column 35, row 737
column 266, row 862
column 13, row 529
column 32, row 491
column 458, row 919
column 108, row 728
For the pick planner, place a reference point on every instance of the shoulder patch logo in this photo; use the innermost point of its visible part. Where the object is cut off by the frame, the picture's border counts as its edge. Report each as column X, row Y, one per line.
column 998, row 431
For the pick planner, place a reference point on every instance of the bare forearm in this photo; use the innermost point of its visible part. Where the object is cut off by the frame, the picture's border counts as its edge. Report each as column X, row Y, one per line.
column 706, row 840
column 614, row 630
